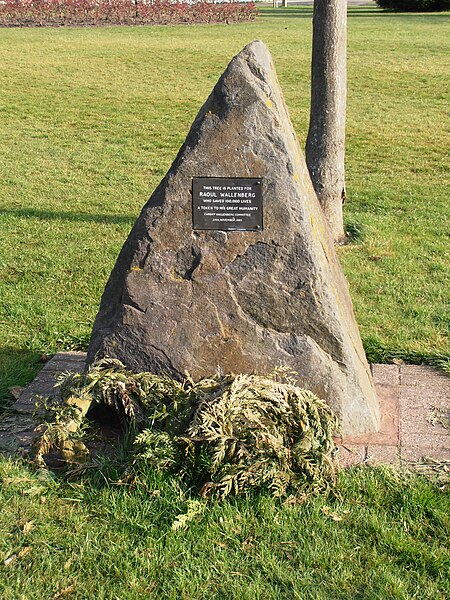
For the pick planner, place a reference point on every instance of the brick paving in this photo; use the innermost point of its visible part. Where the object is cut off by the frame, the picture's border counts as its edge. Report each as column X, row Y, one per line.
column 410, row 396
column 412, row 399
column 17, row 424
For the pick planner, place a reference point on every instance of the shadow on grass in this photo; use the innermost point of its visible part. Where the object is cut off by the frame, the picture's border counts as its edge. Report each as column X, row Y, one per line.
column 367, row 12
column 378, row 352
column 32, row 213
column 18, row 366
column 299, row 12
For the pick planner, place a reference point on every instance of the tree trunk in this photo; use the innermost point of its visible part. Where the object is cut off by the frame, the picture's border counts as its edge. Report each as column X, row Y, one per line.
column 325, row 145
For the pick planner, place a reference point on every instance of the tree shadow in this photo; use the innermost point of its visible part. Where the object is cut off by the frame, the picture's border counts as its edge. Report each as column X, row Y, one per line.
column 18, row 366
column 298, row 12
column 365, row 12
column 306, row 12
column 33, row 213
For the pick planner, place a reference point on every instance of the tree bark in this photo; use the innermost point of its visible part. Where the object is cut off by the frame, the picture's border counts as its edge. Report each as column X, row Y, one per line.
column 325, row 144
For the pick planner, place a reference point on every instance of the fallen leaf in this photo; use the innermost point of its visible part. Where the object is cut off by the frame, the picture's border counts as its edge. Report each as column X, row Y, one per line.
column 295, row 500
column 34, row 490
column 247, row 544
column 288, row 543
column 27, row 527
column 333, row 515
column 15, row 480
column 64, row 592
column 24, row 552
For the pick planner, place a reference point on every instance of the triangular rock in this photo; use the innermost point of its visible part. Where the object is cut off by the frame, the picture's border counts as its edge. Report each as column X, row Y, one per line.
column 180, row 299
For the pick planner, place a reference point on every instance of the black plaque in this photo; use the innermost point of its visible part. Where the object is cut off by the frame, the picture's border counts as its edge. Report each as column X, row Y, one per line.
column 227, row 203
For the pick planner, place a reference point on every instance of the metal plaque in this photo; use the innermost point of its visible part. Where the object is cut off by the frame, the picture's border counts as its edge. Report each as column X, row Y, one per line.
column 227, row 203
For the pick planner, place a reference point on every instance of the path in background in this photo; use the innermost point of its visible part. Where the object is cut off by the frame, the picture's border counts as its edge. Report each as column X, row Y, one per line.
column 311, row 2
column 414, row 402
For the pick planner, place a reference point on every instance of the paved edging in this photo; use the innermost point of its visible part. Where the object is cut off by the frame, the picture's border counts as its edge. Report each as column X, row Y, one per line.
column 17, row 424
column 408, row 396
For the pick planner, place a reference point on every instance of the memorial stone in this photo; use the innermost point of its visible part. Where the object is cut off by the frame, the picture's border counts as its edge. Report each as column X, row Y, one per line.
column 246, row 284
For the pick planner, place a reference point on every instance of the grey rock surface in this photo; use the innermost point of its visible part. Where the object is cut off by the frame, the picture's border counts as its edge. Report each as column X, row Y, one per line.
column 182, row 300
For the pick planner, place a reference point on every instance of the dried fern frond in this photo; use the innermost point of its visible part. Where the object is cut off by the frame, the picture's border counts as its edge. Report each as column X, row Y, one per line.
column 136, row 397
column 60, row 423
column 227, row 433
column 157, row 448
column 263, row 432
column 194, row 509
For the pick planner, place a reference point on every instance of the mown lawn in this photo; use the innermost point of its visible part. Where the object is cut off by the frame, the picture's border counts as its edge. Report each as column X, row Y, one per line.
column 92, row 118
column 379, row 535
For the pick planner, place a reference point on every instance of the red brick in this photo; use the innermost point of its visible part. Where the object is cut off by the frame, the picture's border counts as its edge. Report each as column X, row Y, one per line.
column 389, row 431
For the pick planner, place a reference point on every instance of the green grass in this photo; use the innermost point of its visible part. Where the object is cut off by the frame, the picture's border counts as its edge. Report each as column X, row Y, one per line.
column 380, row 535
column 92, row 118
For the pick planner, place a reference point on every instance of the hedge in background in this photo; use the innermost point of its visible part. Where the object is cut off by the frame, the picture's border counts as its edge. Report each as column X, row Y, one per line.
column 414, row 5
column 23, row 13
